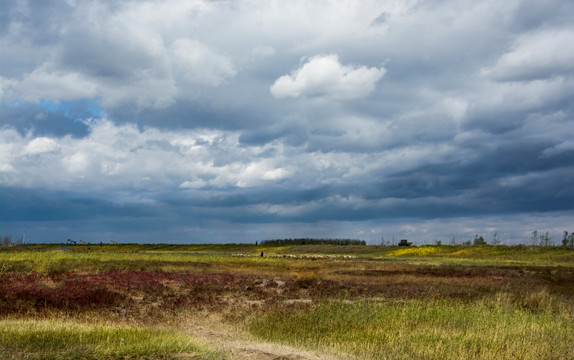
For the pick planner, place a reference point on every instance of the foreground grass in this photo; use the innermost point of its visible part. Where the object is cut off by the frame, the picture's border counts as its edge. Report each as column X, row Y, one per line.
column 372, row 302
column 55, row 339
column 422, row 329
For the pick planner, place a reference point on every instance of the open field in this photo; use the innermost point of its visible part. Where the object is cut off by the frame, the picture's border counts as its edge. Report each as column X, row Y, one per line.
column 295, row 302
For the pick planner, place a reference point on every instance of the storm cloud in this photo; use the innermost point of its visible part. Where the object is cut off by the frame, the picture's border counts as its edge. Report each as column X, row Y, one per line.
column 188, row 121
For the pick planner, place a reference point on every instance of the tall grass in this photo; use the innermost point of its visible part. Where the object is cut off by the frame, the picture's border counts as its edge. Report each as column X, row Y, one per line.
column 56, row 339
column 417, row 329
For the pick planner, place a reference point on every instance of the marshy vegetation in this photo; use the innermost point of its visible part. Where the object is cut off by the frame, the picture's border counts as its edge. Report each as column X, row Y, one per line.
column 365, row 302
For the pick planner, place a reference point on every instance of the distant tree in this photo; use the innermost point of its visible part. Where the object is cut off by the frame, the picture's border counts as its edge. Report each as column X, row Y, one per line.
column 478, row 240
column 571, row 241
column 405, row 242
column 535, row 237
column 466, row 243
column 307, row 241
column 438, row 242
column 495, row 239
column 453, row 240
column 545, row 239
column 565, row 238
column 6, row 240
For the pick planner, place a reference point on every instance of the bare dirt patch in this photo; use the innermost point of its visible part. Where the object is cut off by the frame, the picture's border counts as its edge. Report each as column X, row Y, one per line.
column 236, row 344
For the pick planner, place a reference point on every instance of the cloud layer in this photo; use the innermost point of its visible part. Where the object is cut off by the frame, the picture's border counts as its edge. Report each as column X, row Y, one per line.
column 245, row 120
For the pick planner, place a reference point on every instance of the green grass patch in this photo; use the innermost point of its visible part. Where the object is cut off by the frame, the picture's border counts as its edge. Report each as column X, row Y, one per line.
column 60, row 259
column 416, row 329
column 55, row 339
column 448, row 254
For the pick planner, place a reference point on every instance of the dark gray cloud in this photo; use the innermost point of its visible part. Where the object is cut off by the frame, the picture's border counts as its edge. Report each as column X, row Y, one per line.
column 531, row 14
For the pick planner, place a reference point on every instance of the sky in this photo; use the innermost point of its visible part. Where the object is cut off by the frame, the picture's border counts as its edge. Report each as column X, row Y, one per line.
column 243, row 120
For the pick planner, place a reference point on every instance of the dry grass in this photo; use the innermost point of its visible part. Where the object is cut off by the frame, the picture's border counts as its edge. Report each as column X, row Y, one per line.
column 316, row 300
column 54, row 338
column 437, row 329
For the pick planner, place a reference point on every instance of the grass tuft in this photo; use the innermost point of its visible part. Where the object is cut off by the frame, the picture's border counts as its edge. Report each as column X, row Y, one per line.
column 55, row 339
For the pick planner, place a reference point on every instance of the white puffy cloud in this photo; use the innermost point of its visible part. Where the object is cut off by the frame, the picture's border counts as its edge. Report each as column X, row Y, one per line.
column 260, row 172
column 46, row 84
column 324, row 75
column 41, row 145
column 114, row 157
column 536, row 56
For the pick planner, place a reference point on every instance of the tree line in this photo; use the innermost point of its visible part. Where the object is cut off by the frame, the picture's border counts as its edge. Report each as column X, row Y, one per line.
column 546, row 240
column 310, row 241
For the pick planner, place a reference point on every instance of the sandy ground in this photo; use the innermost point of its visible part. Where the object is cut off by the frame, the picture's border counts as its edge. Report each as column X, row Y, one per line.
column 237, row 345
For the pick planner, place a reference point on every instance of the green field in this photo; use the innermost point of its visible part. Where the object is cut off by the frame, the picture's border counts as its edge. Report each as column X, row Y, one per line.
column 296, row 302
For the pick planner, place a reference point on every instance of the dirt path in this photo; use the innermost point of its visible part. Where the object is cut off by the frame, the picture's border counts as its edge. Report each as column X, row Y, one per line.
column 237, row 345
